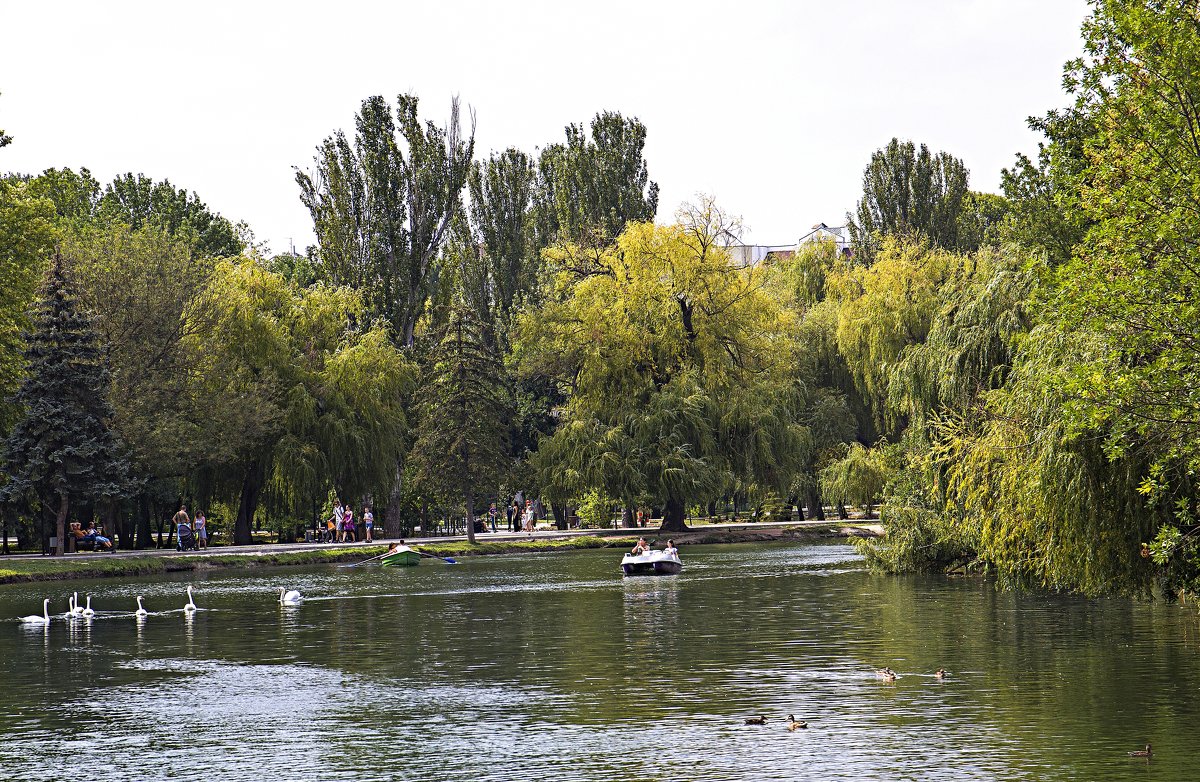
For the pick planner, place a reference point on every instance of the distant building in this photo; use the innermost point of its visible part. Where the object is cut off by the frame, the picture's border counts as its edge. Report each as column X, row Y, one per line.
column 753, row 254
column 838, row 234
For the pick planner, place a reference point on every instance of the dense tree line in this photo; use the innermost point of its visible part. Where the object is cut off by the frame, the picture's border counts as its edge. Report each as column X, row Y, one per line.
column 1008, row 379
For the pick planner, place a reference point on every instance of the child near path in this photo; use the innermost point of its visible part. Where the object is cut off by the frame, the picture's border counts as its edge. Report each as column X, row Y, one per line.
column 368, row 523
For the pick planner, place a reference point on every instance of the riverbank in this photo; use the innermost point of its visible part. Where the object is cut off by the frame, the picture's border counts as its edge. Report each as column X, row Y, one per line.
column 162, row 561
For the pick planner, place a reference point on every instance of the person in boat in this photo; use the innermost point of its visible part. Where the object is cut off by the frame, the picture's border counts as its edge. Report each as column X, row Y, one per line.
column 670, row 550
column 641, row 547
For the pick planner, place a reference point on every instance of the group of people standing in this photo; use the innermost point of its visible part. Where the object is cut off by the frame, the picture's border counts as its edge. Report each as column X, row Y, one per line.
column 341, row 527
column 197, row 526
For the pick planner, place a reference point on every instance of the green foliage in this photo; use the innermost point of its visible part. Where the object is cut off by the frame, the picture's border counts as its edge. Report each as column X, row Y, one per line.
column 595, row 509
column 591, row 188
column 674, row 360
column 26, row 237
column 857, row 478
column 464, row 412
column 62, row 448
column 381, row 206
column 910, row 192
column 139, row 201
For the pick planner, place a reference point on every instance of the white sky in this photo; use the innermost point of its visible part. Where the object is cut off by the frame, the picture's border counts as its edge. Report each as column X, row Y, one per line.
column 772, row 107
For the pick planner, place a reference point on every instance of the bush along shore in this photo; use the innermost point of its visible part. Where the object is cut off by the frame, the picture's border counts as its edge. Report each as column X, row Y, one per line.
column 161, row 562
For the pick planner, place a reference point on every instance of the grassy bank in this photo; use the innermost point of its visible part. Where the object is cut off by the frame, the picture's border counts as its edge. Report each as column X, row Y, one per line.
column 57, row 569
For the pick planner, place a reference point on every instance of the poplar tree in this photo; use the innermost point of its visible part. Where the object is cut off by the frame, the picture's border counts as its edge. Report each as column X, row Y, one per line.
column 63, row 448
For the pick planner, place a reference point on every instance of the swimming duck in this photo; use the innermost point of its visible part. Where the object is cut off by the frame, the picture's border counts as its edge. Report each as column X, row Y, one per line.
column 940, row 673
column 1141, row 753
column 792, row 724
column 756, row 720
column 887, row 674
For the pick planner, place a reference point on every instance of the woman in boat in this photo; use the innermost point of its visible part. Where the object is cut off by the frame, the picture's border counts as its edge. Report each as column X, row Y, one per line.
column 670, row 550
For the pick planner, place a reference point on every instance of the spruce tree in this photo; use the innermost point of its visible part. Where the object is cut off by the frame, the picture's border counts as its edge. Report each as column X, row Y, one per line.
column 62, row 448
column 465, row 413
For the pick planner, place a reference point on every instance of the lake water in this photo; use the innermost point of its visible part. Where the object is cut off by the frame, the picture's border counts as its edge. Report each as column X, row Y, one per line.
column 555, row 667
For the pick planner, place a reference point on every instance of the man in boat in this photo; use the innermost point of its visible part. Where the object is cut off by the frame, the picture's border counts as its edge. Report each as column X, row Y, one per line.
column 641, row 548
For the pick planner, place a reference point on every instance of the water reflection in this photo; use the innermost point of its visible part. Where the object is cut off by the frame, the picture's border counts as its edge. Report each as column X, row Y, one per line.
column 555, row 666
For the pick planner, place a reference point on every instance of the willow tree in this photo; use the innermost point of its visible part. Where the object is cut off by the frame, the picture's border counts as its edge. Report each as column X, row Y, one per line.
column 678, row 385
column 306, row 400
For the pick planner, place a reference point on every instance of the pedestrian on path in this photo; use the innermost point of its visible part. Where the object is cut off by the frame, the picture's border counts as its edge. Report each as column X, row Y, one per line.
column 368, row 523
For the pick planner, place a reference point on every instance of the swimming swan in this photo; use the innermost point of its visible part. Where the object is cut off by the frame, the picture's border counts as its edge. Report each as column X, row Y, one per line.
column 44, row 619
column 140, row 612
column 88, row 610
column 191, row 606
column 289, row 597
column 75, row 609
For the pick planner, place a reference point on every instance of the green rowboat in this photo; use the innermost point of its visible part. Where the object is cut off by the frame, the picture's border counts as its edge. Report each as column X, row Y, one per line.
column 401, row 557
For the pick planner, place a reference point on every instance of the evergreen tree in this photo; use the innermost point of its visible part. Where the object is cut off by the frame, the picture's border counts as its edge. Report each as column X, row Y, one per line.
column 63, row 448
column 464, row 413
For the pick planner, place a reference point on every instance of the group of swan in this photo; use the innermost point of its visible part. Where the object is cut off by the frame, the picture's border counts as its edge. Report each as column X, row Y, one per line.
column 287, row 597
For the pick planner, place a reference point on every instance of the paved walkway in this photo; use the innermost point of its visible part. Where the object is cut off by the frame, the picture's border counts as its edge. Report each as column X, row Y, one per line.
column 543, row 533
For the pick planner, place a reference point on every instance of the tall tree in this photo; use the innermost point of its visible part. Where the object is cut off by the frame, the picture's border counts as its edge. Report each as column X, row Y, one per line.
column 26, row 237
column 306, row 400
column 503, row 191
column 908, row 191
column 381, row 206
column 669, row 352
column 137, row 200
column 592, row 187
column 63, row 448
column 464, row 413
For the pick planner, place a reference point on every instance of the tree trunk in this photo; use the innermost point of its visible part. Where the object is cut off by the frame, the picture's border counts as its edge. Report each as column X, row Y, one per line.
column 470, row 502
column 391, row 515
column 560, row 515
column 674, row 516
column 145, row 535
column 248, row 504
column 815, row 509
column 626, row 516
column 841, row 511
column 60, row 527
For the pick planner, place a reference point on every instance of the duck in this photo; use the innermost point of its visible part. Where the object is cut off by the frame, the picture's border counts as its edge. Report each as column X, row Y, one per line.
column 290, row 597
column 792, row 724
column 1142, row 753
column 191, row 606
column 887, row 674
column 140, row 612
column 940, row 673
column 43, row 619
column 88, row 612
column 760, row 720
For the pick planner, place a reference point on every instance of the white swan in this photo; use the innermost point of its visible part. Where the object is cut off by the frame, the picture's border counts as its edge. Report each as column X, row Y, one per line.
column 88, row 612
column 44, row 619
column 289, row 597
column 141, row 611
column 191, row 606
column 75, row 609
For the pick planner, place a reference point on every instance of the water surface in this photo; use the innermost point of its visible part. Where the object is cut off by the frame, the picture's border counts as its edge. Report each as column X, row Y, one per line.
column 555, row 667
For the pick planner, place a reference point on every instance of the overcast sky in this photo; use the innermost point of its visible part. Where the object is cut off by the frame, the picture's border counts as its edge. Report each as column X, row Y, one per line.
column 774, row 108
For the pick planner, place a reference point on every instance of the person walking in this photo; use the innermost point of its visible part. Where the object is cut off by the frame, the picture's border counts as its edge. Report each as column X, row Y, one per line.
column 180, row 517
column 348, row 525
column 528, row 523
column 368, row 524
column 492, row 514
